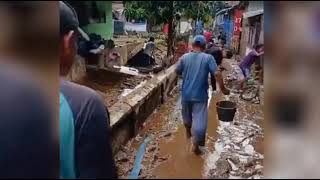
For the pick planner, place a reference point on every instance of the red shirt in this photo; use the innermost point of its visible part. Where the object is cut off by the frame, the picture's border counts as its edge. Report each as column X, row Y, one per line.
column 208, row 36
column 165, row 29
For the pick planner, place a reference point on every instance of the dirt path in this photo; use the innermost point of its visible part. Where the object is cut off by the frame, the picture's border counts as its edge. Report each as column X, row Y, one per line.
column 169, row 154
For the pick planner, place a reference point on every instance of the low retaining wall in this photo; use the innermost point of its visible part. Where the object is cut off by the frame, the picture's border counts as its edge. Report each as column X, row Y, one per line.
column 129, row 113
column 126, row 52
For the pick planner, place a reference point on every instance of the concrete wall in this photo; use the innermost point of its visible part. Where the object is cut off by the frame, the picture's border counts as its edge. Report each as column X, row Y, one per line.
column 244, row 37
column 78, row 69
column 128, row 114
column 126, row 52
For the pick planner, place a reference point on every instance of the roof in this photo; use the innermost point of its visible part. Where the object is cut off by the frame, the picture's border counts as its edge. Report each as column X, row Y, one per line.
column 228, row 9
column 223, row 10
column 117, row 5
column 252, row 13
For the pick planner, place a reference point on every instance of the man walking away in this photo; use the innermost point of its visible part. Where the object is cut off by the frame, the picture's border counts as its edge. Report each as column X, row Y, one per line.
column 195, row 68
column 85, row 150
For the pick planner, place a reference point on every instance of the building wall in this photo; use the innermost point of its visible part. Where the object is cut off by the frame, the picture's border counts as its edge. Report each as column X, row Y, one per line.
column 261, row 39
column 249, row 30
column 103, row 29
column 244, row 37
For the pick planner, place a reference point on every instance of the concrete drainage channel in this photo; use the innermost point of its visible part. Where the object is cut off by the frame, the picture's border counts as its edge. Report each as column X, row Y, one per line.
column 129, row 113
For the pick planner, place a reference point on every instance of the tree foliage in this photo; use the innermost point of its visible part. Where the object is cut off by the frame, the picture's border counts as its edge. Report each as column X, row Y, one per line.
column 163, row 11
column 159, row 12
column 134, row 10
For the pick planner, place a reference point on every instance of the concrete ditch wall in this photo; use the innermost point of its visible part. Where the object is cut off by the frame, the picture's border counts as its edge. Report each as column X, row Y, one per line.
column 128, row 114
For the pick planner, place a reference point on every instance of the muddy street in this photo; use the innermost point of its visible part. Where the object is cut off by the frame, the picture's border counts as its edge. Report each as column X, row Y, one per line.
column 232, row 149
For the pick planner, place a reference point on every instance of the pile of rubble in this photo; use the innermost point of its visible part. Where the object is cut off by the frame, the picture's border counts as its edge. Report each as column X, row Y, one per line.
column 235, row 155
column 233, row 77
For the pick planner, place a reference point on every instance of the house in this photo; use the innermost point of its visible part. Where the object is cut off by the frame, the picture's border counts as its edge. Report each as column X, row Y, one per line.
column 95, row 17
column 224, row 21
column 252, row 26
column 252, row 30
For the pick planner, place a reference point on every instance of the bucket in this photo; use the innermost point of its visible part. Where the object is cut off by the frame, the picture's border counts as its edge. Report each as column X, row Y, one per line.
column 226, row 110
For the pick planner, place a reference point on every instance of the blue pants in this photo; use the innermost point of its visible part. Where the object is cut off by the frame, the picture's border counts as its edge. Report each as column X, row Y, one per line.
column 246, row 72
column 195, row 116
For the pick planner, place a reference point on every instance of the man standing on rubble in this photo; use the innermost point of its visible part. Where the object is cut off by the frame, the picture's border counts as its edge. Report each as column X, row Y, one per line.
column 195, row 68
column 85, row 150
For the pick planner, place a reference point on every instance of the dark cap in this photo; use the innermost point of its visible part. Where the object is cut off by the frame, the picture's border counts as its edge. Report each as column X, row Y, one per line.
column 69, row 20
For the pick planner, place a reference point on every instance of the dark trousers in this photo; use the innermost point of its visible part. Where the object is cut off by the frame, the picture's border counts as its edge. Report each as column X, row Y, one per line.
column 213, row 83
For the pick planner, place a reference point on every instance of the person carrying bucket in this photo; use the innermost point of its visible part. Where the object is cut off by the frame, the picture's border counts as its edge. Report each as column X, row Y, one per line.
column 195, row 67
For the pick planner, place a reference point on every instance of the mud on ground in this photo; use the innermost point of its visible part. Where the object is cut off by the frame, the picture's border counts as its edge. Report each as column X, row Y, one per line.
column 156, row 128
column 110, row 85
column 233, row 150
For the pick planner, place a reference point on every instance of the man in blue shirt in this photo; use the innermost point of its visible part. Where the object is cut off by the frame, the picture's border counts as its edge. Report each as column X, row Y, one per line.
column 195, row 68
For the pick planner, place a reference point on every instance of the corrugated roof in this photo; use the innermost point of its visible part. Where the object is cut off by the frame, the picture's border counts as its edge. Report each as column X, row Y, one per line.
column 252, row 13
column 228, row 9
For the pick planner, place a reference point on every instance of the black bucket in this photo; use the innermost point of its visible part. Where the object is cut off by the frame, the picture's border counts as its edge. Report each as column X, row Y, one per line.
column 226, row 110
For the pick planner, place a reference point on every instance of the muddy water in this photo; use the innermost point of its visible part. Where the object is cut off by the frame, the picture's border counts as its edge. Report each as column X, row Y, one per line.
column 171, row 156
column 183, row 163
column 179, row 161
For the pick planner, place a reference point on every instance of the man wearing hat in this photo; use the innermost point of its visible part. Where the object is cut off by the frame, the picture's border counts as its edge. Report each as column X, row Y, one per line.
column 195, row 68
column 85, row 150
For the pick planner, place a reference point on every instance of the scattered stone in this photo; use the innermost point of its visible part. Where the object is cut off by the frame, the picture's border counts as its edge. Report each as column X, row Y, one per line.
column 124, row 159
column 153, row 148
column 258, row 166
column 249, row 149
column 233, row 166
column 167, row 134
column 164, row 158
column 250, row 163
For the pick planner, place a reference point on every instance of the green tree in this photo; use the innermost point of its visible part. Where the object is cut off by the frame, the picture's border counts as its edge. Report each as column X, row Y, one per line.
column 164, row 12
column 134, row 10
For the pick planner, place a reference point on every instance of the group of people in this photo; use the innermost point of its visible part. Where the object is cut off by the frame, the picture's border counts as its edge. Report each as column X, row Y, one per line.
column 195, row 67
column 205, row 58
column 85, row 141
column 84, row 137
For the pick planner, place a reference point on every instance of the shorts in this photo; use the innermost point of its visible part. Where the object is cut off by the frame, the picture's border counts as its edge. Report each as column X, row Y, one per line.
column 195, row 116
column 246, row 72
column 236, row 74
